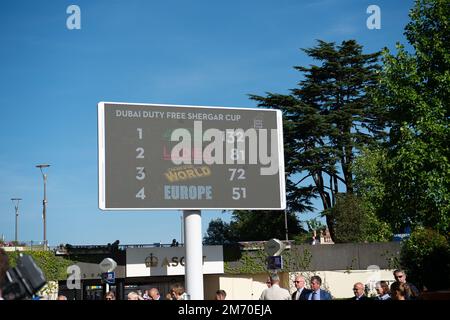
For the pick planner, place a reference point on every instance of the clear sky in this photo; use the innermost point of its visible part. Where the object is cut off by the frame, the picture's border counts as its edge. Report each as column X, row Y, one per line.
column 194, row 52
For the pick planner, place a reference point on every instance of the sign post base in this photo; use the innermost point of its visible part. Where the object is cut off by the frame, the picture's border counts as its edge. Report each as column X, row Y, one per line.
column 194, row 254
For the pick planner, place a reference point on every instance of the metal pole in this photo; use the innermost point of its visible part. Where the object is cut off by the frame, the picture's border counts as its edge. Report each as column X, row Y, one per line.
column 194, row 254
column 16, row 207
column 181, row 235
column 16, row 234
column 286, row 225
column 45, row 211
column 44, row 202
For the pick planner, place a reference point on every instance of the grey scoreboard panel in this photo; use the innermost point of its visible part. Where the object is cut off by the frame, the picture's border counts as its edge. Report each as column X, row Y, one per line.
column 189, row 157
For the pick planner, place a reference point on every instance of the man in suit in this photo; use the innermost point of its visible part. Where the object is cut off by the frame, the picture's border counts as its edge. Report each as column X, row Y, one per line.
column 275, row 292
column 358, row 290
column 301, row 293
column 317, row 293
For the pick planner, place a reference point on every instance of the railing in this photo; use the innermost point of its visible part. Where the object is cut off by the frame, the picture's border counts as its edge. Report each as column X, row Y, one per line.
column 259, row 245
column 66, row 249
column 29, row 245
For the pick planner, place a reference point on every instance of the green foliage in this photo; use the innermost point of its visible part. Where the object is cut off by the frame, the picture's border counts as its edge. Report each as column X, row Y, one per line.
column 54, row 268
column 415, row 90
column 375, row 229
column 297, row 261
column 426, row 257
column 219, row 232
column 253, row 262
column 302, row 238
column 252, row 226
column 326, row 120
column 369, row 186
column 264, row 225
column 249, row 262
column 392, row 260
column 354, row 222
column 348, row 219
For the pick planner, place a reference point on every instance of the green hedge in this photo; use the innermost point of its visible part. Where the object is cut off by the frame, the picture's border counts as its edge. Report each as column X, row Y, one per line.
column 253, row 262
column 426, row 258
column 54, row 267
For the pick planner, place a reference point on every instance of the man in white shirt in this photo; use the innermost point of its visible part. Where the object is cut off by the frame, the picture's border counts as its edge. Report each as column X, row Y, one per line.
column 275, row 292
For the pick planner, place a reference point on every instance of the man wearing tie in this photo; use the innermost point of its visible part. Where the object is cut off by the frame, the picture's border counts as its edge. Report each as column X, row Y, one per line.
column 301, row 293
column 317, row 293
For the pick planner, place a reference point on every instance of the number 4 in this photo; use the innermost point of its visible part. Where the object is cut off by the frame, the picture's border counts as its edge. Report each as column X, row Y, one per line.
column 141, row 194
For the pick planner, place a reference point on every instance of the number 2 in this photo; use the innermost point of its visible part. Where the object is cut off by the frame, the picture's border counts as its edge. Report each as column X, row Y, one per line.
column 140, row 152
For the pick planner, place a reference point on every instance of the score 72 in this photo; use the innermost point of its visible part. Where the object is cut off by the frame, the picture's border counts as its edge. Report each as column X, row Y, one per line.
column 238, row 174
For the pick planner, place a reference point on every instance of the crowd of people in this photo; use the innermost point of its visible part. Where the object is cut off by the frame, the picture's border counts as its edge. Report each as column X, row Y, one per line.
column 398, row 290
column 177, row 292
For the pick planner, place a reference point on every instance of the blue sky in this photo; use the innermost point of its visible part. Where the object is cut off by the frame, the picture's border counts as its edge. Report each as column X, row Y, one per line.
column 143, row 51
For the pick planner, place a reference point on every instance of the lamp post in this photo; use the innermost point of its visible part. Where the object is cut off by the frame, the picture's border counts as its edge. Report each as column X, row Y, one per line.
column 16, row 207
column 181, row 233
column 286, row 224
column 44, row 202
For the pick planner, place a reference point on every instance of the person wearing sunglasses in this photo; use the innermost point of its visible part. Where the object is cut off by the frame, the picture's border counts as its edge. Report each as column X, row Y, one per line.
column 400, row 277
column 301, row 293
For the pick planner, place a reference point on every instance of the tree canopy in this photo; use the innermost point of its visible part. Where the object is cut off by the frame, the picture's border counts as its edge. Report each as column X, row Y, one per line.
column 327, row 119
column 415, row 90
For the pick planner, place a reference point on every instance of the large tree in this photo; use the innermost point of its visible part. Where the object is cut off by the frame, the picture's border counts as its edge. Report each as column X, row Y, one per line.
column 252, row 226
column 219, row 232
column 327, row 119
column 415, row 88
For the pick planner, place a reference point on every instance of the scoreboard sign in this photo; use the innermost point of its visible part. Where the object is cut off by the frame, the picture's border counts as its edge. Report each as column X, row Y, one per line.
column 189, row 157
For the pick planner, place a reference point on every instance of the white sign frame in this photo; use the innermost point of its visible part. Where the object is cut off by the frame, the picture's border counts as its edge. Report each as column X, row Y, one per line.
column 102, row 157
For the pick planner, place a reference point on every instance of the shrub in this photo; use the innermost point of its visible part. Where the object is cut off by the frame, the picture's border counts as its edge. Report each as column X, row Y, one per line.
column 426, row 258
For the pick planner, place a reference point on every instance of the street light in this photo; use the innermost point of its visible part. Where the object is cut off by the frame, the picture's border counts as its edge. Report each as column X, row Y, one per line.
column 286, row 224
column 44, row 202
column 16, row 206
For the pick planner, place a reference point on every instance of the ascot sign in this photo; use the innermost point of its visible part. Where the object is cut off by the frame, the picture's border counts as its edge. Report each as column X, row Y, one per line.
column 160, row 261
column 189, row 157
